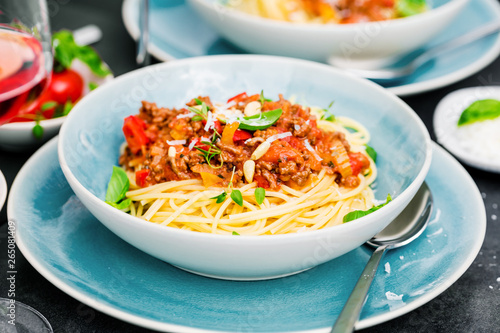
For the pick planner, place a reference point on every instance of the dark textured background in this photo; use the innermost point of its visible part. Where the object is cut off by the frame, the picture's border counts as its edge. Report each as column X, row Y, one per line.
column 472, row 304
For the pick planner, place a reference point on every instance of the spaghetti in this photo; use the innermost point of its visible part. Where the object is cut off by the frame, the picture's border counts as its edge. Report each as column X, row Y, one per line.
column 330, row 11
column 214, row 193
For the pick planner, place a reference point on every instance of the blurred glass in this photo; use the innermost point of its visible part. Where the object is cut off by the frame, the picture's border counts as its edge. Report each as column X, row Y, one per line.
column 25, row 55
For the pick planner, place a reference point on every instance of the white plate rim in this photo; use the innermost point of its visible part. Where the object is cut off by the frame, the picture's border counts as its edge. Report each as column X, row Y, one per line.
column 161, row 326
column 404, row 90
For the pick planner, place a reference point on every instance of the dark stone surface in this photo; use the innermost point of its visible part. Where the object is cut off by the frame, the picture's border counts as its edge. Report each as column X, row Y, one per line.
column 472, row 304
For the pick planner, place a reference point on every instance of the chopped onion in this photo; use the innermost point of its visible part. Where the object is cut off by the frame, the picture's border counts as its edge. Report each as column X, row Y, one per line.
column 311, row 149
column 278, row 136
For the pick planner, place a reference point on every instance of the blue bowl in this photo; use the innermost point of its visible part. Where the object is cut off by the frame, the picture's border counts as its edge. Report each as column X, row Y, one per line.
column 91, row 136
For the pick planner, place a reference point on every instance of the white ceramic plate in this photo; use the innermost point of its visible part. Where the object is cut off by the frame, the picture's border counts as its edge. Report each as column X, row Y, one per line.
column 446, row 116
column 71, row 249
column 19, row 136
column 177, row 32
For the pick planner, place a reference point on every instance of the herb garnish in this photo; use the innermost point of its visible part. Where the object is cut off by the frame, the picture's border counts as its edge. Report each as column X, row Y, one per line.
column 66, row 49
column 260, row 195
column 237, row 197
column 262, row 99
column 260, row 121
column 328, row 115
column 371, row 152
column 117, row 188
column 480, row 110
column 200, row 114
column 235, row 233
column 221, row 197
column 37, row 129
column 212, row 151
column 360, row 213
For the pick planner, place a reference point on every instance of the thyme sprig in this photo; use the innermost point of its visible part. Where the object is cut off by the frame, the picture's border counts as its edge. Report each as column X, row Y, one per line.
column 212, row 151
column 201, row 114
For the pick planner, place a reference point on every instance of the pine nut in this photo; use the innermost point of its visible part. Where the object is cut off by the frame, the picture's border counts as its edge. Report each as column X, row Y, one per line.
column 171, row 152
column 261, row 150
column 252, row 108
column 248, row 170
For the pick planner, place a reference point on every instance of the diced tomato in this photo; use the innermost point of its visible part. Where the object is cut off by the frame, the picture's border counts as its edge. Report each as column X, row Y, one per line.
column 133, row 128
column 140, row 177
column 358, row 162
column 281, row 151
column 200, row 145
column 294, row 142
column 238, row 98
column 261, row 181
column 217, row 125
column 241, row 135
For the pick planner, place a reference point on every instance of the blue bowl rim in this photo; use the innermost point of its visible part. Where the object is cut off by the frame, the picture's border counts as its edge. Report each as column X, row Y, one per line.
column 131, row 220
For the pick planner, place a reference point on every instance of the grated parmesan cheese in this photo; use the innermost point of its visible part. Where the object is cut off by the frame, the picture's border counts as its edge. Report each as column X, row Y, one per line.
column 278, row 136
column 191, row 144
column 311, row 149
column 186, row 115
column 481, row 139
column 176, row 142
column 393, row 297
column 210, row 121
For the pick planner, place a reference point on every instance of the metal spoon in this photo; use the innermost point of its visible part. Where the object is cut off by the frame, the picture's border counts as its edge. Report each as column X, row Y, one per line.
column 406, row 227
column 401, row 72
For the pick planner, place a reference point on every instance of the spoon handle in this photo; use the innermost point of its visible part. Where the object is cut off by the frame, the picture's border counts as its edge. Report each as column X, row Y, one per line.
column 476, row 34
column 352, row 308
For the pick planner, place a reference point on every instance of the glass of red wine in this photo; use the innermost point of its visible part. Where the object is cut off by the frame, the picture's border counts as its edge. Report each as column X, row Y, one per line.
column 25, row 55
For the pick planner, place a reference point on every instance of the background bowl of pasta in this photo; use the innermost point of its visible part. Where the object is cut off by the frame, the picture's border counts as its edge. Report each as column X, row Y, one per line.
column 89, row 151
column 292, row 28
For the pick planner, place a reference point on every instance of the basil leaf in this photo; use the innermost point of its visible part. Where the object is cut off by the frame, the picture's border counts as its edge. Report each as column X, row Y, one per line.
column 410, row 7
column 260, row 195
column 48, row 105
column 67, row 107
column 237, row 197
column 66, row 50
column 371, row 152
column 118, row 185
column 93, row 85
column 198, row 101
column 37, row 131
column 197, row 118
column 360, row 213
column 480, row 110
column 260, row 121
column 235, row 233
column 220, row 198
column 124, row 204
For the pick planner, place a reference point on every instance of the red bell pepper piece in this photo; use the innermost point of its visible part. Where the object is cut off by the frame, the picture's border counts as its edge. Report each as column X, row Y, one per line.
column 133, row 128
column 238, row 98
column 140, row 177
column 241, row 135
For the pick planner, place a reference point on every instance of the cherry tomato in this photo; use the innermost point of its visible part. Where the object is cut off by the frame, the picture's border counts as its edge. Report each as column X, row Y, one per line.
column 65, row 85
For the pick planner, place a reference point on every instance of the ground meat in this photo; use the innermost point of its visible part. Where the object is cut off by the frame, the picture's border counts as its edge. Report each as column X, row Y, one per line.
column 287, row 161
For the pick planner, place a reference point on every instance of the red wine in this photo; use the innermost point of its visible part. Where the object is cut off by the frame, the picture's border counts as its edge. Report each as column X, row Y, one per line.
column 23, row 75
